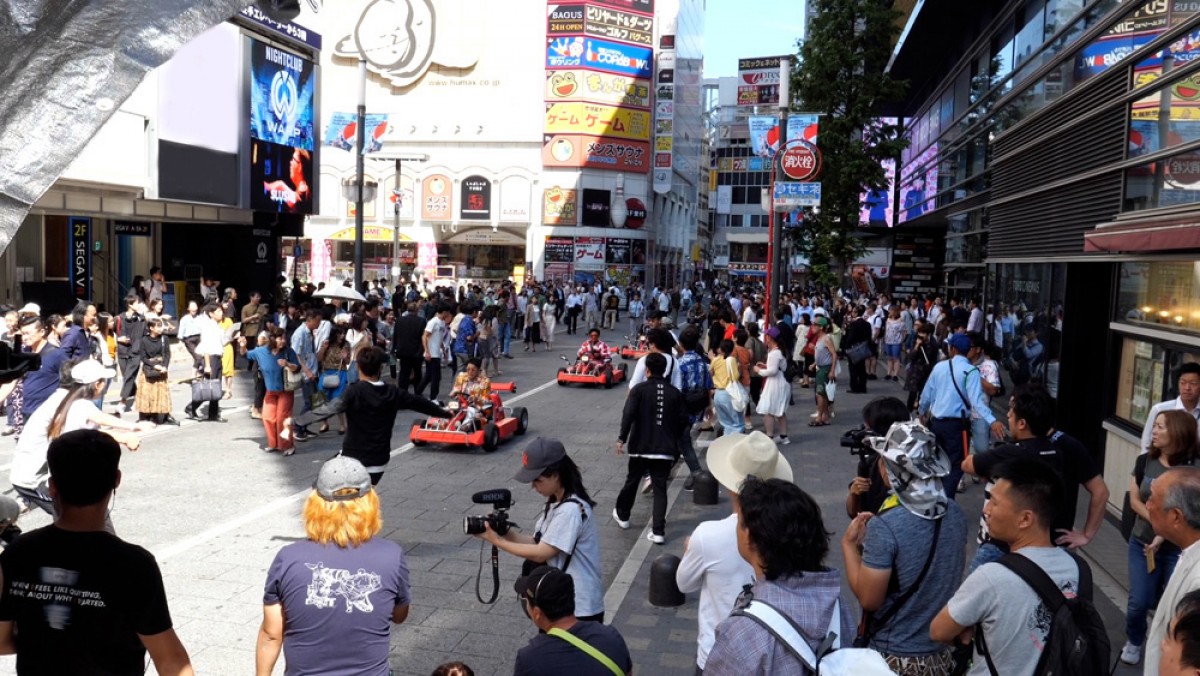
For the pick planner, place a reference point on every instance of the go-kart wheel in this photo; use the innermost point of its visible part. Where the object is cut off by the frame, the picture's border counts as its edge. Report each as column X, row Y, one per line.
column 491, row 437
column 624, row 369
column 522, row 417
column 608, row 380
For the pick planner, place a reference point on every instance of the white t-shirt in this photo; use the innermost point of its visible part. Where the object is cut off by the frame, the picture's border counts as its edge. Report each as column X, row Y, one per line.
column 639, row 372
column 571, row 531
column 1015, row 621
column 664, row 302
column 29, row 468
column 436, row 328
column 712, row 566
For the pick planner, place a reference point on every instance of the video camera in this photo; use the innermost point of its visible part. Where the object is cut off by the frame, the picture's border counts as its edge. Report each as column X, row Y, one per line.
column 856, row 441
column 500, row 499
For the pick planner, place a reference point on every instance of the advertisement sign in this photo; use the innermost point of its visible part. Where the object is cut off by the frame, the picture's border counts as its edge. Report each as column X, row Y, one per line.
column 790, row 195
column 437, row 201
column 282, row 86
column 637, row 250
column 560, row 250
column 131, row 228
column 280, row 177
column 558, row 206
column 406, row 197
column 764, row 132
column 918, row 183
column 613, row 24
column 614, row 57
column 598, row 120
column 640, row 6
column 664, row 144
column 801, row 161
column 285, row 29
column 589, row 253
column 557, row 272
column 758, row 81
column 585, row 85
column 476, row 199
column 515, row 200
column 81, row 257
column 617, row 251
column 564, row 19
column 427, row 258
column 724, row 199
column 564, row 52
column 596, row 207
column 342, row 131
column 876, row 208
column 562, row 152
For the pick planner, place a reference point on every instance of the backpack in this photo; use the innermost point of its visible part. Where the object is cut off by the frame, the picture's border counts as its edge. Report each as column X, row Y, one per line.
column 1077, row 643
column 834, row 660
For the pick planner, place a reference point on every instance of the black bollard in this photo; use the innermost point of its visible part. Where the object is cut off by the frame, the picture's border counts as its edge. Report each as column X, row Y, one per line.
column 705, row 489
column 664, row 593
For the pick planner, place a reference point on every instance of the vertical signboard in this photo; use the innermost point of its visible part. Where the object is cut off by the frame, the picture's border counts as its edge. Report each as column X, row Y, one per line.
column 282, row 111
column 81, row 257
column 476, row 199
column 664, row 115
column 437, row 201
column 758, row 81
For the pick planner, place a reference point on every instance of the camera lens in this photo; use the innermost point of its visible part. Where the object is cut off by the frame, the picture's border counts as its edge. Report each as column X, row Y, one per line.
column 473, row 525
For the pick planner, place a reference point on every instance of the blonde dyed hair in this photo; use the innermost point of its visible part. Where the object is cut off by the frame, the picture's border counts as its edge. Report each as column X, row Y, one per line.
column 346, row 523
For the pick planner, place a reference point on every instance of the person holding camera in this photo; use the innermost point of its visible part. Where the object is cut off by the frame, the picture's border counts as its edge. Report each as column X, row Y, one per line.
column 565, row 535
column 868, row 490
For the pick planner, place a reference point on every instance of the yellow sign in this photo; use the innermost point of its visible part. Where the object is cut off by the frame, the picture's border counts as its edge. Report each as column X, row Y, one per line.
column 663, row 144
column 597, row 120
column 371, row 233
column 586, row 85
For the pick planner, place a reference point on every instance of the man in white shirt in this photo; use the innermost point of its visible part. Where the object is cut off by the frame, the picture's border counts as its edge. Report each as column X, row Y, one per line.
column 431, row 341
column 1188, row 400
column 208, row 353
column 1174, row 507
column 711, row 563
column 975, row 320
column 661, row 341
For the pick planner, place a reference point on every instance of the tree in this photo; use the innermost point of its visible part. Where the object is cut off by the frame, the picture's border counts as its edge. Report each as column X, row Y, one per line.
column 840, row 75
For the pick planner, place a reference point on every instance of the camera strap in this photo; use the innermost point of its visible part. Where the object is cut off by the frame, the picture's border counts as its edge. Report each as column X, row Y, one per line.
column 495, row 575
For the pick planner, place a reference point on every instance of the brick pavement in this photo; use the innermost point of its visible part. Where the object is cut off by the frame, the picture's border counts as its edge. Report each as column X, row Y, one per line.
column 215, row 510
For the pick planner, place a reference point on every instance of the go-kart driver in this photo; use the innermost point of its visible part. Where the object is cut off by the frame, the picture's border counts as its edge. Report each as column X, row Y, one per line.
column 597, row 351
column 475, row 386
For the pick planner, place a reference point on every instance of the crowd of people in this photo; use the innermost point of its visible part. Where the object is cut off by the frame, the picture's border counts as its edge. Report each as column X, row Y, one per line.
column 770, row 603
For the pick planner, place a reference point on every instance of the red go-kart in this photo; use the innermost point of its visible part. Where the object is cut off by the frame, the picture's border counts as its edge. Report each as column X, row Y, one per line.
column 586, row 371
column 473, row 427
column 635, row 349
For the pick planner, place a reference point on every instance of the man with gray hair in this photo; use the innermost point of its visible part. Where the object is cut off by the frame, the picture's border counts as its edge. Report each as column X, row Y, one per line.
column 1174, row 508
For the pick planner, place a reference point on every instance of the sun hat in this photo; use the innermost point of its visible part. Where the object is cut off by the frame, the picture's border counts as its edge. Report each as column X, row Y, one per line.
column 537, row 456
column 90, row 371
column 733, row 457
column 30, row 309
column 915, row 466
column 342, row 478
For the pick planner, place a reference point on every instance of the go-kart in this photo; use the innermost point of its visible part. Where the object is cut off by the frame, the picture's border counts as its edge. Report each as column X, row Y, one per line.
column 634, row 349
column 471, row 426
column 587, row 371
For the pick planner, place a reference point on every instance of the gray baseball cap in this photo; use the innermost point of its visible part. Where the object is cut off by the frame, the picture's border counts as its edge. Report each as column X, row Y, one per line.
column 342, row 478
column 538, row 455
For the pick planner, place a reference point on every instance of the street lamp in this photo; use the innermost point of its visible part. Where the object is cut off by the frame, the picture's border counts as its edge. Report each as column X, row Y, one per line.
column 398, row 193
column 619, row 210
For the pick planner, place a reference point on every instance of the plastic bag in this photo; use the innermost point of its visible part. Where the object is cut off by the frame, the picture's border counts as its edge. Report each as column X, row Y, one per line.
column 831, row 390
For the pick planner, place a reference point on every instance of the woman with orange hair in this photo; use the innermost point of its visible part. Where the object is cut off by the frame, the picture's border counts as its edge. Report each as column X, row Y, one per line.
column 330, row 599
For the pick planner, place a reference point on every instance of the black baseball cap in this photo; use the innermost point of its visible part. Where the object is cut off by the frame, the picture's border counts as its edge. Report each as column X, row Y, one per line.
column 547, row 586
column 538, row 455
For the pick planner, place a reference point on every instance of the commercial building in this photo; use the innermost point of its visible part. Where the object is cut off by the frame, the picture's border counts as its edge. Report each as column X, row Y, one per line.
column 1054, row 142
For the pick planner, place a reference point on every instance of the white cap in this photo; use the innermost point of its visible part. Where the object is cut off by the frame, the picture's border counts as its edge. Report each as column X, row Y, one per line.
column 90, row 371
column 30, row 309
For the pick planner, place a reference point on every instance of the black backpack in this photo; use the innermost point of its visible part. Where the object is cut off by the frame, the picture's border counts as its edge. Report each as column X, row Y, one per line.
column 1077, row 643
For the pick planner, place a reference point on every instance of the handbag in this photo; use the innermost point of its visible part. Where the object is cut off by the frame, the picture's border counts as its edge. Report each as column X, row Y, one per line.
column 206, row 389
column 737, row 395
column 152, row 374
column 858, row 352
column 292, row 380
column 331, row 381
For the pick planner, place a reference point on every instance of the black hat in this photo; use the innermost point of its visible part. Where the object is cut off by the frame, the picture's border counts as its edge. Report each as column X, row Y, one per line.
column 550, row 589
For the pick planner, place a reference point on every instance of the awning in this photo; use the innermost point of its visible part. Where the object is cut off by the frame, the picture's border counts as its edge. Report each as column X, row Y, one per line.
column 1173, row 234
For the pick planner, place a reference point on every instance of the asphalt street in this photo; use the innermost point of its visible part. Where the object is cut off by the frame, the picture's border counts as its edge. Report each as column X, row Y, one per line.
column 214, row 509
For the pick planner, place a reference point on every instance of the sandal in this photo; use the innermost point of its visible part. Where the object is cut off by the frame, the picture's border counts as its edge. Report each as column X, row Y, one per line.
column 323, row 428
column 816, row 423
column 289, row 452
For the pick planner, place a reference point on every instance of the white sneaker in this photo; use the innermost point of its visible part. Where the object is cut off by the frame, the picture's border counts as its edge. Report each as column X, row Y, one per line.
column 781, row 440
column 658, row 540
column 622, row 524
column 1131, row 654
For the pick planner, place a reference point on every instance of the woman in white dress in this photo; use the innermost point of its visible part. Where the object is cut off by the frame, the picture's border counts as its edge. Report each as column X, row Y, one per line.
column 776, row 391
column 548, row 323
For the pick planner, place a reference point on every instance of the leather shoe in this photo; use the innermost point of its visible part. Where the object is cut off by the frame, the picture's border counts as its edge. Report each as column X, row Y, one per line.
column 191, row 413
column 170, row 420
column 217, row 419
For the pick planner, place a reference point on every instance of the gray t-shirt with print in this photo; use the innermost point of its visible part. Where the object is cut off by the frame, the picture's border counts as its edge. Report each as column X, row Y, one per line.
column 1015, row 621
column 907, row 632
column 570, row 528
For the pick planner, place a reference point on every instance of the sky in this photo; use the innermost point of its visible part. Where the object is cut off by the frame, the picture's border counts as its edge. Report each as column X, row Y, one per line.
column 738, row 29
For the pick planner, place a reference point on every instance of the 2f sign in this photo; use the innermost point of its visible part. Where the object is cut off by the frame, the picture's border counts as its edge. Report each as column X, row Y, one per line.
column 81, row 257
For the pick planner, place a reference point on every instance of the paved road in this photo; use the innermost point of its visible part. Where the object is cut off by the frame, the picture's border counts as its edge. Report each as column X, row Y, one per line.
column 214, row 509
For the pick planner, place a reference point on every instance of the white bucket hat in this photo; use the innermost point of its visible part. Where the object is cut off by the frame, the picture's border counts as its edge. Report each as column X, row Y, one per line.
column 733, row 457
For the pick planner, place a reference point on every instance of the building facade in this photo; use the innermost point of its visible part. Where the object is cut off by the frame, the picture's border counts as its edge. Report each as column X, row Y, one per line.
column 1055, row 145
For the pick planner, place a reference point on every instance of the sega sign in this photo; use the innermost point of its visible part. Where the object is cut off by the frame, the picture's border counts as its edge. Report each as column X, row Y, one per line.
column 614, row 57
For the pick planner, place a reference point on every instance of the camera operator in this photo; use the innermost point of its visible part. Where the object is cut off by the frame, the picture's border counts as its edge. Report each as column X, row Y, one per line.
column 565, row 534
column 867, row 490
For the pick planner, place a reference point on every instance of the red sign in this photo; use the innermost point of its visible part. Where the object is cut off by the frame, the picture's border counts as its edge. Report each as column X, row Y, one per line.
column 801, row 161
column 1184, row 169
column 637, row 213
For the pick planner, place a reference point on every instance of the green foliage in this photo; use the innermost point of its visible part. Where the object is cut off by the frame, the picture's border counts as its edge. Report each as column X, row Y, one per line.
column 840, row 76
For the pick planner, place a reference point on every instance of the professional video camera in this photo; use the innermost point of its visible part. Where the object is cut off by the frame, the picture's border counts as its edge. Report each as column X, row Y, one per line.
column 856, row 441
column 500, row 499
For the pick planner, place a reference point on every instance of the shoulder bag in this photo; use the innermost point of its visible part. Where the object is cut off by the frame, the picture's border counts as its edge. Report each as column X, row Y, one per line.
column 292, row 380
column 737, row 395
column 858, row 352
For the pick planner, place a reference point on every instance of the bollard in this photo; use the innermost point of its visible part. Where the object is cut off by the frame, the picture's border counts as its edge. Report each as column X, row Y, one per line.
column 664, row 593
column 705, row 489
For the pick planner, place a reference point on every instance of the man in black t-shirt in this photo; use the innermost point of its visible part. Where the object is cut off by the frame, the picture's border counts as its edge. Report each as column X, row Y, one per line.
column 568, row 645
column 77, row 599
column 1030, row 421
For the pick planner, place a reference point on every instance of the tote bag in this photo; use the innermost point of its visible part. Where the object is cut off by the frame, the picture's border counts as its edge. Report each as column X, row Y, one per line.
column 737, row 395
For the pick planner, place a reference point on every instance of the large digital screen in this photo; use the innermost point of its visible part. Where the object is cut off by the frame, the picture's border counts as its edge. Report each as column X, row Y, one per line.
column 282, row 88
column 876, row 210
column 280, row 178
column 918, row 185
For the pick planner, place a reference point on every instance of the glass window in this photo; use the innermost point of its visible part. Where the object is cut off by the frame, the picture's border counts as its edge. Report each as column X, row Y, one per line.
column 1134, row 31
column 1029, row 297
column 1140, row 379
column 1059, row 12
column 1162, row 294
column 1181, row 52
column 946, row 116
column 1002, row 54
column 739, row 195
column 1165, row 118
column 1171, row 182
column 1032, row 32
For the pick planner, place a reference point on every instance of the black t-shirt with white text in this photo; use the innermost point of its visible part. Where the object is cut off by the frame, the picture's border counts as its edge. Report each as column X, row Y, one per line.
column 79, row 601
